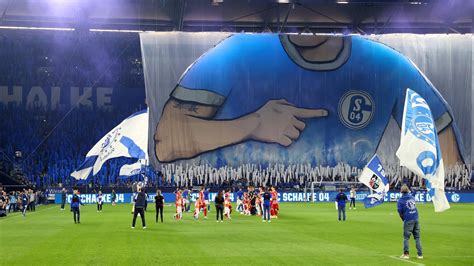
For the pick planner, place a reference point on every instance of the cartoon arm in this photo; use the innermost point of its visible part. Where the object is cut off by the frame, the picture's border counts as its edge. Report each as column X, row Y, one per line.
column 186, row 129
column 416, row 80
column 449, row 147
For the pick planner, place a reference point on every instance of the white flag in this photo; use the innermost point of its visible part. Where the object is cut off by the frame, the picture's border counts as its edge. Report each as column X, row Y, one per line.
column 128, row 139
column 419, row 148
column 131, row 169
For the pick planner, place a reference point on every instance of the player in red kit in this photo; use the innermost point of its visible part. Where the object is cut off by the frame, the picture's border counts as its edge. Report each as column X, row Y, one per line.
column 200, row 205
column 227, row 206
column 179, row 205
column 197, row 209
column 203, row 205
column 274, row 204
column 246, row 204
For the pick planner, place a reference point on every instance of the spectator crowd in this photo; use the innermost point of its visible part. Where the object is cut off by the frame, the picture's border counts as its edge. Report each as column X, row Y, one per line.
column 14, row 201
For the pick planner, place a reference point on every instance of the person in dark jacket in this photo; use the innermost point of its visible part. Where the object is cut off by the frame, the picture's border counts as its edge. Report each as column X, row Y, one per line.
column 159, row 205
column 140, row 202
column 114, row 197
column 3, row 204
column 219, row 200
column 409, row 214
column 63, row 198
column 146, row 194
column 24, row 201
column 75, row 201
column 341, row 200
column 267, row 197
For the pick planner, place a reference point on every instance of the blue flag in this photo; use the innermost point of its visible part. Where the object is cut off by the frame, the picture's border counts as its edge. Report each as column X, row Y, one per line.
column 373, row 176
column 373, row 200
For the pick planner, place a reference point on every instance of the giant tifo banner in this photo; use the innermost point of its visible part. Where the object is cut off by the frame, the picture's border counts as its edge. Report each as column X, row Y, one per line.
column 456, row 197
column 232, row 99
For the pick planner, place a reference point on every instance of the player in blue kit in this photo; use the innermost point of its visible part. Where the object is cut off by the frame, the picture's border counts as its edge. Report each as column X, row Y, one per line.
column 323, row 99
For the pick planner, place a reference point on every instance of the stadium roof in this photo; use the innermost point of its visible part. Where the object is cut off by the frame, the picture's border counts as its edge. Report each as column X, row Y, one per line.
column 339, row 16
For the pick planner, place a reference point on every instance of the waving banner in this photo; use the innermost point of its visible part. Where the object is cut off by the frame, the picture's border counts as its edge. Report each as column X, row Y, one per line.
column 130, row 169
column 128, row 139
column 419, row 148
column 373, row 176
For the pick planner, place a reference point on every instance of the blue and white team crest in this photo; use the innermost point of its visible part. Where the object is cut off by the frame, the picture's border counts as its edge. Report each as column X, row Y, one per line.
column 419, row 148
column 373, row 176
column 356, row 109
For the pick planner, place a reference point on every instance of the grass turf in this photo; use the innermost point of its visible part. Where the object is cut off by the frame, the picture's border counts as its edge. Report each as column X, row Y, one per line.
column 305, row 233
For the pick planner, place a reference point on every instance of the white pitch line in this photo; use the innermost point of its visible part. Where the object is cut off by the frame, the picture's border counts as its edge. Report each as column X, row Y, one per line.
column 28, row 213
column 451, row 256
column 408, row 261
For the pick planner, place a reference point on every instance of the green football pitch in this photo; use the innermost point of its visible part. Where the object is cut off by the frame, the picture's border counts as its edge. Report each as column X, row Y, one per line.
column 305, row 233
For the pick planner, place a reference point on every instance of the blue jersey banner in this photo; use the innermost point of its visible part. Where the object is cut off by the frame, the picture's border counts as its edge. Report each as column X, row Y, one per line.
column 257, row 98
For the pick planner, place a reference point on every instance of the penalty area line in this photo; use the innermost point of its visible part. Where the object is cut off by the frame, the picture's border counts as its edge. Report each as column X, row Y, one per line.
column 408, row 261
